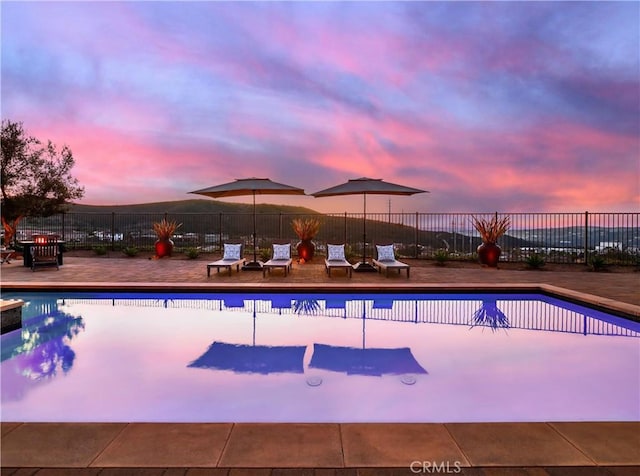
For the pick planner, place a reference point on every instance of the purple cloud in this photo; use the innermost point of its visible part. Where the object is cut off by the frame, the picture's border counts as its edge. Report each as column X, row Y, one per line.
column 424, row 93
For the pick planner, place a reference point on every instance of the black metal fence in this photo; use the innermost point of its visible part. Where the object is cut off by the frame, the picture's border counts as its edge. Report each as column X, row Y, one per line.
column 555, row 237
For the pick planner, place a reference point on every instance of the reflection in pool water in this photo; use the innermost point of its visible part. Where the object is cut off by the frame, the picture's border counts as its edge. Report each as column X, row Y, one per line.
column 317, row 358
column 39, row 351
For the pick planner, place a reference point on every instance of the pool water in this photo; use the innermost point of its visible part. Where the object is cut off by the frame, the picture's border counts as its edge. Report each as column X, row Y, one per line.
column 96, row 357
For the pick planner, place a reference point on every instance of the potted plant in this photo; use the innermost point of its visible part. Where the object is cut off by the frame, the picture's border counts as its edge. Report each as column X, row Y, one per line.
column 164, row 230
column 490, row 231
column 306, row 229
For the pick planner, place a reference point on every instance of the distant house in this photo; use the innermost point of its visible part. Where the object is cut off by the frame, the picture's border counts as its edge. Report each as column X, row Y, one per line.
column 609, row 246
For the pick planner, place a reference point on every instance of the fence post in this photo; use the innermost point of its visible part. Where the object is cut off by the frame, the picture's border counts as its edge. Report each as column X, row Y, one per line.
column 220, row 230
column 280, row 225
column 63, row 228
column 416, row 237
column 113, row 230
column 345, row 227
column 586, row 237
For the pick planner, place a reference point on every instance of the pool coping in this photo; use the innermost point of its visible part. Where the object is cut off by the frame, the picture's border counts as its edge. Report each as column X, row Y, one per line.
column 622, row 309
column 340, row 446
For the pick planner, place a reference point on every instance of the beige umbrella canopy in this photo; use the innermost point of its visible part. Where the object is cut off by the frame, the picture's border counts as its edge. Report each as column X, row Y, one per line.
column 366, row 186
column 250, row 186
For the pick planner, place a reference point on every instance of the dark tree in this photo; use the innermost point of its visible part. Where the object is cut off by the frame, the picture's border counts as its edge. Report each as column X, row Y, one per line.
column 36, row 179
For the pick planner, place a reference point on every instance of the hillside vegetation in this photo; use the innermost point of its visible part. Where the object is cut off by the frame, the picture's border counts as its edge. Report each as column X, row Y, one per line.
column 190, row 206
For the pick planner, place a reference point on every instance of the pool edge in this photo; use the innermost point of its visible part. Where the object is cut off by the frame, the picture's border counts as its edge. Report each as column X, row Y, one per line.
column 626, row 310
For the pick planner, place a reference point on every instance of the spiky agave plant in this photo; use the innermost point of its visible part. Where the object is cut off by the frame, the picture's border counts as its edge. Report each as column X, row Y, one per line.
column 491, row 230
column 165, row 229
column 305, row 228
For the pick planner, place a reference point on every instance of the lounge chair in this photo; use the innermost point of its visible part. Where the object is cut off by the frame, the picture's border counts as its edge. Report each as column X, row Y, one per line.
column 387, row 260
column 281, row 258
column 45, row 251
column 6, row 254
column 336, row 260
column 231, row 256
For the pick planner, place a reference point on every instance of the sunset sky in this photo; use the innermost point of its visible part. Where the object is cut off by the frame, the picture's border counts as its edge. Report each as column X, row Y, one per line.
column 493, row 106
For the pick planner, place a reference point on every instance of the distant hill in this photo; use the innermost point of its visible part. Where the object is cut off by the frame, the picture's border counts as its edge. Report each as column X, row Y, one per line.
column 190, row 206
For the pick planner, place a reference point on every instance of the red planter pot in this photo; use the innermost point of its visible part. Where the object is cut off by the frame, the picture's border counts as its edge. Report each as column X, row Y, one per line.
column 164, row 248
column 306, row 249
column 489, row 254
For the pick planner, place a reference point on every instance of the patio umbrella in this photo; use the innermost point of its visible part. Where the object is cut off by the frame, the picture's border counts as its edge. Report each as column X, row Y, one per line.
column 366, row 186
column 250, row 186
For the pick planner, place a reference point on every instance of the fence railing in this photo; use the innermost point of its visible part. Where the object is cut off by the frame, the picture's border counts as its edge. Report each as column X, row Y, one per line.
column 556, row 237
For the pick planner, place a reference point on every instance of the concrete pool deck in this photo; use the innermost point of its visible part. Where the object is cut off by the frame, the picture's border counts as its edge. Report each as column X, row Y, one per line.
column 531, row 448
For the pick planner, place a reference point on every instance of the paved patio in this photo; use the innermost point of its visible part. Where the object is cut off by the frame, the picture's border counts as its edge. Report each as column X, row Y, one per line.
column 544, row 448
column 620, row 285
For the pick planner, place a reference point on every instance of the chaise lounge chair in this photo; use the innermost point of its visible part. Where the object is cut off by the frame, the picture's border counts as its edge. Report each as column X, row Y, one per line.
column 387, row 260
column 231, row 256
column 281, row 258
column 336, row 260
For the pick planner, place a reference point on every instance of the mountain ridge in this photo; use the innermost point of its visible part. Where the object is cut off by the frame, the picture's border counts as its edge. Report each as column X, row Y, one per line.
column 190, row 206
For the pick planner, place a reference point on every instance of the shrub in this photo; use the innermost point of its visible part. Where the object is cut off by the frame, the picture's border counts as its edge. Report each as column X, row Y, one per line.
column 192, row 252
column 130, row 251
column 100, row 250
column 597, row 263
column 441, row 257
column 349, row 254
column 264, row 254
column 535, row 261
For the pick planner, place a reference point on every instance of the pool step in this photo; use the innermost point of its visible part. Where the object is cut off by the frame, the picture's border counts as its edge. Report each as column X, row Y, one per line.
column 11, row 314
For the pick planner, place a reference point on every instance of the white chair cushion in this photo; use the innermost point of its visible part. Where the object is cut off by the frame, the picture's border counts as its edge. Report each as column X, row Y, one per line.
column 335, row 252
column 385, row 253
column 231, row 251
column 281, row 252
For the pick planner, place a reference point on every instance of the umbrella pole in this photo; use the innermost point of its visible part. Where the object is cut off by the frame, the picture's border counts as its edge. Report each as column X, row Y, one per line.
column 363, row 265
column 255, row 265
column 364, row 230
column 255, row 256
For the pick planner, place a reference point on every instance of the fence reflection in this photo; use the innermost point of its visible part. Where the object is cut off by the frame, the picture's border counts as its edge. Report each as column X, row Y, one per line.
column 496, row 311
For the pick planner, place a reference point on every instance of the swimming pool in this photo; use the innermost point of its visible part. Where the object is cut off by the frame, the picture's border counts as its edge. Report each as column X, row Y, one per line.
column 231, row 357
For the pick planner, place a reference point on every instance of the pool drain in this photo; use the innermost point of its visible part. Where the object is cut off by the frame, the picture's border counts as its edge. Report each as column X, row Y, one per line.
column 314, row 381
column 408, row 379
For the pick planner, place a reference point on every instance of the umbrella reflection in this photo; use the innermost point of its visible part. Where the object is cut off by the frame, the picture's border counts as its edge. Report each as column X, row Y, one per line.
column 242, row 358
column 364, row 361
column 245, row 358
column 372, row 362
